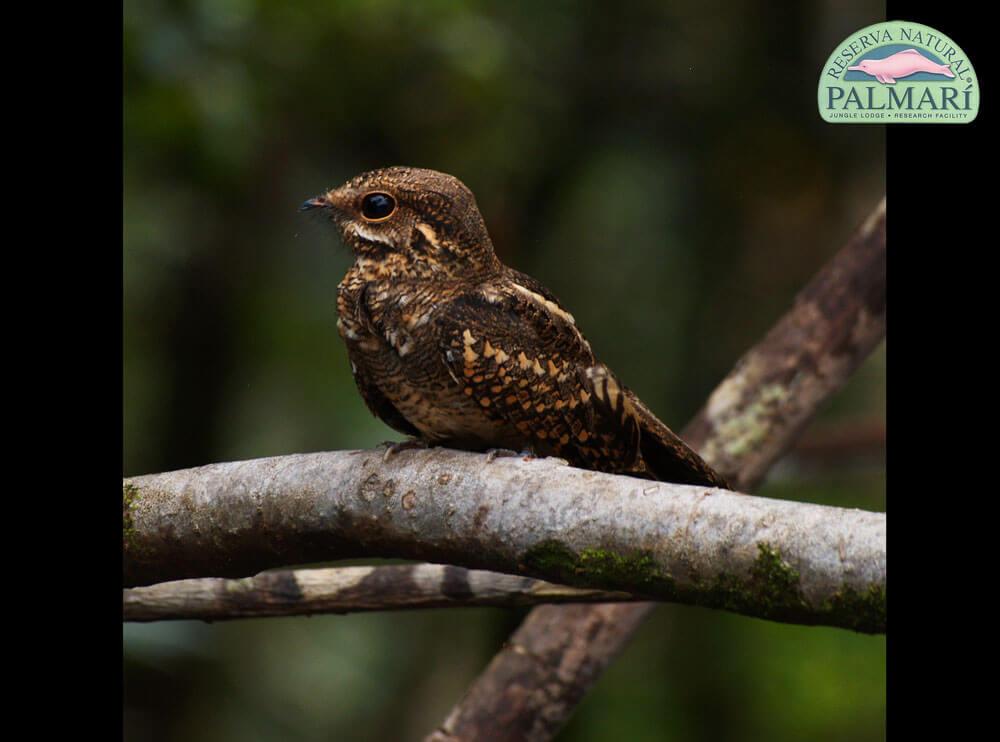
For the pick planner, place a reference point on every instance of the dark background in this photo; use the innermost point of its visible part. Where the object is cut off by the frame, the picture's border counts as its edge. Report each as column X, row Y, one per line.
column 662, row 168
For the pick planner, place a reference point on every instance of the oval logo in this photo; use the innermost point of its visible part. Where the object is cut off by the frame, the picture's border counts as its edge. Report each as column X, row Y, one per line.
column 901, row 73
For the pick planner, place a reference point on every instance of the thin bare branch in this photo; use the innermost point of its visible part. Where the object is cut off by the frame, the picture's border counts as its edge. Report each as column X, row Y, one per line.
column 835, row 444
column 304, row 592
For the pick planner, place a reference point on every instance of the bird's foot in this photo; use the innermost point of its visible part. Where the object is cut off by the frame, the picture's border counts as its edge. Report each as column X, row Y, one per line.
column 394, row 447
column 493, row 454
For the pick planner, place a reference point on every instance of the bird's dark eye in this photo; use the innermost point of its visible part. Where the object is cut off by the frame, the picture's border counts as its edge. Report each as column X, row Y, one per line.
column 377, row 206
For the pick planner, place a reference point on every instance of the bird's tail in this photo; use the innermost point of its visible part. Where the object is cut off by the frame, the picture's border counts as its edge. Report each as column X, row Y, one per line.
column 666, row 456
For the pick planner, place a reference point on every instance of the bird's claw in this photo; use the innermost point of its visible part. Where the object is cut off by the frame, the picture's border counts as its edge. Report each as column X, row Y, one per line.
column 493, row 454
column 394, row 447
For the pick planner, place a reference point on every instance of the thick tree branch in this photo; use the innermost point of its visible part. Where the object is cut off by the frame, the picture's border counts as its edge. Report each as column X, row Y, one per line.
column 775, row 559
column 347, row 590
column 534, row 683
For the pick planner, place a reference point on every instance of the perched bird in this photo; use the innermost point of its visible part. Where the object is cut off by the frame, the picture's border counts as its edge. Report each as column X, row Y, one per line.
column 449, row 345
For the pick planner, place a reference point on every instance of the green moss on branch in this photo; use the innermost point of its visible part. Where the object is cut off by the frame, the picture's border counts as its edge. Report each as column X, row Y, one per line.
column 130, row 497
column 598, row 568
column 859, row 610
column 771, row 589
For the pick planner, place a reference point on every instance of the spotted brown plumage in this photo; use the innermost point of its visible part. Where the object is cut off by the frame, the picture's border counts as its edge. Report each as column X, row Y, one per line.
column 449, row 345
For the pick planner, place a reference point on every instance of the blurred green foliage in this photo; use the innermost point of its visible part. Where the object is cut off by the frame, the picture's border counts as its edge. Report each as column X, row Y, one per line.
column 660, row 166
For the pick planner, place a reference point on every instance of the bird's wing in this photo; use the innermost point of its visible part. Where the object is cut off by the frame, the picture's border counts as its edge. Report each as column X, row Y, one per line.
column 666, row 455
column 377, row 402
column 520, row 357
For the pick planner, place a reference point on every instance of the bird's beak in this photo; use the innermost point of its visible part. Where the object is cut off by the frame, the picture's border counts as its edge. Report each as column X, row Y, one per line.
column 331, row 202
column 320, row 202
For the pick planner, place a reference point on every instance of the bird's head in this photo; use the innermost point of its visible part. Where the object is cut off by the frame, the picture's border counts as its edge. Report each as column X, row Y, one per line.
column 420, row 220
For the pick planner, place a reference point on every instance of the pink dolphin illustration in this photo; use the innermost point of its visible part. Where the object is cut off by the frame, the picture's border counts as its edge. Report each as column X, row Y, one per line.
column 901, row 64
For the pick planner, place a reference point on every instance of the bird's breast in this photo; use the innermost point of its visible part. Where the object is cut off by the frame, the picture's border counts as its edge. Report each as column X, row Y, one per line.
column 390, row 334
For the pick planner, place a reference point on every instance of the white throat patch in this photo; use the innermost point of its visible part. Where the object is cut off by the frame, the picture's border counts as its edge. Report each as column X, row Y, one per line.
column 368, row 234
